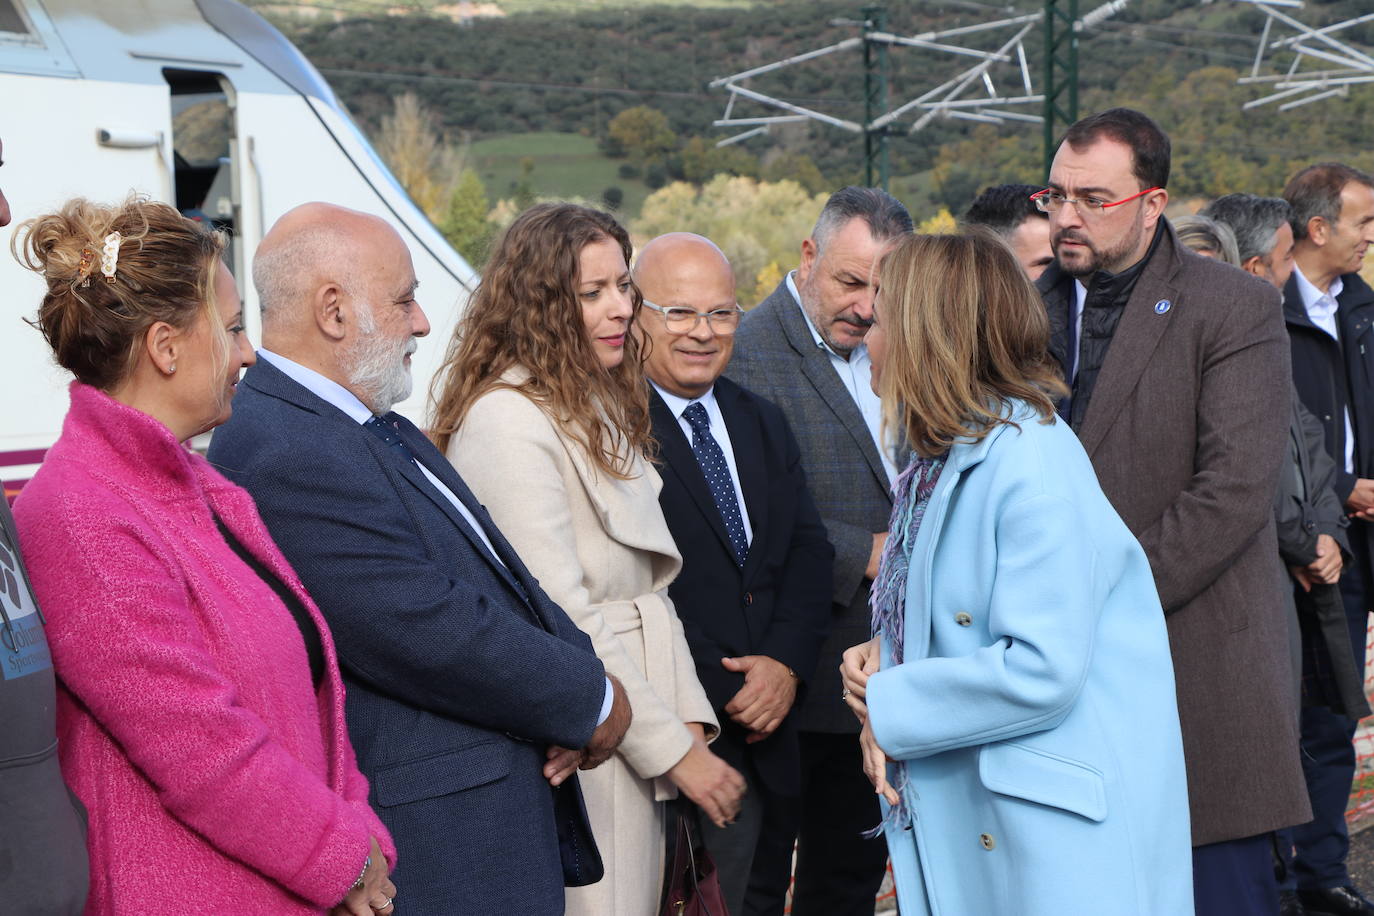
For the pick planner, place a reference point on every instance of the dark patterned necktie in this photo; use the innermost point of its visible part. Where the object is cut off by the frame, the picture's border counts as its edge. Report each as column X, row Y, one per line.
column 384, row 428
column 717, row 472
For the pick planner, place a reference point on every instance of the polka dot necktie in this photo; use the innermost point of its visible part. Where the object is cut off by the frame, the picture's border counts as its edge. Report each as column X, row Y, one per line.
column 717, row 472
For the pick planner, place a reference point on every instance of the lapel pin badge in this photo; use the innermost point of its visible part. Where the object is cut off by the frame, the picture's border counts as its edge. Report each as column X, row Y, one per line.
column 1163, row 306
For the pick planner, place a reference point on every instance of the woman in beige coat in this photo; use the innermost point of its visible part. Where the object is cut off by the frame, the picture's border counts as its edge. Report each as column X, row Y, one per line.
column 544, row 411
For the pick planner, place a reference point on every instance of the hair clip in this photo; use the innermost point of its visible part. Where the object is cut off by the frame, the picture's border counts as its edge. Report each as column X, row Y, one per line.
column 83, row 270
column 109, row 258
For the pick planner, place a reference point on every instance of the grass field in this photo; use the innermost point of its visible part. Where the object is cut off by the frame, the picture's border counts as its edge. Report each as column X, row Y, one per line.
column 565, row 165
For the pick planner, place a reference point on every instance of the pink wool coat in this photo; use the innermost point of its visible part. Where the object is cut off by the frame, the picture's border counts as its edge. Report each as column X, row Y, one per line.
column 217, row 779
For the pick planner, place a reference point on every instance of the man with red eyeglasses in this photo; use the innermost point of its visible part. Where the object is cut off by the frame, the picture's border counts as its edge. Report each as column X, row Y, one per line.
column 1175, row 363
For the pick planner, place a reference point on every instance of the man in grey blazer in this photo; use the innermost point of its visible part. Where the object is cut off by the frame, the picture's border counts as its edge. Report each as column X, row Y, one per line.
column 803, row 349
column 1176, row 365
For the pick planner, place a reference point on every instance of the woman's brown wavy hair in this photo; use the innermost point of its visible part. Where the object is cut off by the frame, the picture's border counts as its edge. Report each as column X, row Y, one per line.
column 965, row 333
column 526, row 313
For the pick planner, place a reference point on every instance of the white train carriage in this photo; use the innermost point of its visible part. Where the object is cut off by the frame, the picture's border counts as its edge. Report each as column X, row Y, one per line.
column 200, row 103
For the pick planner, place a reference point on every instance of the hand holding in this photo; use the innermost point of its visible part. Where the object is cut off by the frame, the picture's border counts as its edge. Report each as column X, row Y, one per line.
column 1303, row 577
column 1360, row 502
column 770, row 689
column 610, row 733
column 373, row 895
column 1326, row 568
column 857, row 664
column 714, row 785
column 875, row 764
column 879, row 542
column 561, row 764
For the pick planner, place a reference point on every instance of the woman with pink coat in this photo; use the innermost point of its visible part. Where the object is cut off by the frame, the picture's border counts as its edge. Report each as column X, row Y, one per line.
column 200, row 710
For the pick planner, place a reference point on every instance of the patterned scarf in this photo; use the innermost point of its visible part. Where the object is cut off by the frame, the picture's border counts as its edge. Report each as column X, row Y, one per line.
column 887, row 599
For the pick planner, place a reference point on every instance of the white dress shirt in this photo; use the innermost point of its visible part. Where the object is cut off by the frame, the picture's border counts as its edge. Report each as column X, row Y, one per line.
column 676, row 405
column 856, row 375
column 1321, row 310
column 1080, row 295
column 331, row 391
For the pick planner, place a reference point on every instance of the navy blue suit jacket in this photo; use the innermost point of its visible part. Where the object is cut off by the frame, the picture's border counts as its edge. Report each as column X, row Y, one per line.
column 459, row 672
column 778, row 603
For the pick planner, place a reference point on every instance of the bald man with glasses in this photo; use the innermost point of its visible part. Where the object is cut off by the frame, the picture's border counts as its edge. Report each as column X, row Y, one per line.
column 754, row 591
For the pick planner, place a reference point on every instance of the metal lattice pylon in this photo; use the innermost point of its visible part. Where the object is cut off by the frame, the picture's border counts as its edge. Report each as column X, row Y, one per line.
column 1299, row 84
column 972, row 94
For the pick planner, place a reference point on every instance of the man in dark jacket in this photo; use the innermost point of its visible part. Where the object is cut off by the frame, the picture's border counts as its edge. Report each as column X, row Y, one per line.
column 1175, row 362
column 754, row 591
column 1329, row 310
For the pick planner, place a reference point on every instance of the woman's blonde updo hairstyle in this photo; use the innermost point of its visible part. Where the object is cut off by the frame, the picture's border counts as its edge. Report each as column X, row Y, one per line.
column 165, row 271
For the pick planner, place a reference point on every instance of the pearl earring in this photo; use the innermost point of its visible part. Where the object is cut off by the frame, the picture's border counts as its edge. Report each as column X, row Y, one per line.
column 172, row 368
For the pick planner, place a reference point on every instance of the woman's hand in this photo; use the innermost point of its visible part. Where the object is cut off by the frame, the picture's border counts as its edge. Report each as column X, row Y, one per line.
column 858, row 663
column 374, row 894
column 875, row 763
column 710, row 782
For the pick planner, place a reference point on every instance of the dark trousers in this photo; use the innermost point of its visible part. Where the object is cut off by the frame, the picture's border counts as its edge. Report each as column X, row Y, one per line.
column 753, row 855
column 1328, row 750
column 1235, row 878
column 838, row 871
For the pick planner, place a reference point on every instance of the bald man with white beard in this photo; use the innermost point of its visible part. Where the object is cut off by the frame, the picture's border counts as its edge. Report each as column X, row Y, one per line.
column 472, row 698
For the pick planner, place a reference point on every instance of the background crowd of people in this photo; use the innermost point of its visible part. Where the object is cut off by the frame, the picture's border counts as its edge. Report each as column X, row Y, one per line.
column 1030, row 557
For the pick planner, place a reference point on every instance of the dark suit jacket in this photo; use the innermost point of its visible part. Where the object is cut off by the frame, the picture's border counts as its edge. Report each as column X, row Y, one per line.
column 1186, row 431
column 777, row 358
column 459, row 672
column 1331, row 376
column 776, row 605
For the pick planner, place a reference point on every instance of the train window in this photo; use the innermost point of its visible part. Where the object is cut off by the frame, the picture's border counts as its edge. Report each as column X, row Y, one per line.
column 203, row 151
column 11, row 20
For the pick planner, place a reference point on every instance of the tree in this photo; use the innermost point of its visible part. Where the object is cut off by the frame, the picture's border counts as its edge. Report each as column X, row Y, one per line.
column 643, row 133
column 798, row 167
column 409, row 142
column 465, row 223
column 756, row 223
column 941, row 223
column 702, row 160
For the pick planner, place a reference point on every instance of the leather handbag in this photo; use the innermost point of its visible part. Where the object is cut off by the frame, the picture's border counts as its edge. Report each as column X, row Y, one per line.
column 692, row 882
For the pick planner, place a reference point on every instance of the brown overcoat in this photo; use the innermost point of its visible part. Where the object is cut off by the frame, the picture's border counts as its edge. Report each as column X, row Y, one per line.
column 1186, row 430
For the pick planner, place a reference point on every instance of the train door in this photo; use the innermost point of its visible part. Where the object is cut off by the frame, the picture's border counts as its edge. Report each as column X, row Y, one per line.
column 204, row 155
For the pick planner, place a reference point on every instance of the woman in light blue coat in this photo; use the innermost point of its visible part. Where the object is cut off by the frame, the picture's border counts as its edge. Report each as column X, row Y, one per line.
column 1018, row 700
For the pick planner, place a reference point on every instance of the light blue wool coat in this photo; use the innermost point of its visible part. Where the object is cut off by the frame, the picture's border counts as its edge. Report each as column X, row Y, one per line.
column 1036, row 707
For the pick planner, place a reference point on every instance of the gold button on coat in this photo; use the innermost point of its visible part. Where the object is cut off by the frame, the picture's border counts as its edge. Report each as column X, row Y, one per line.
column 963, row 619
column 987, row 840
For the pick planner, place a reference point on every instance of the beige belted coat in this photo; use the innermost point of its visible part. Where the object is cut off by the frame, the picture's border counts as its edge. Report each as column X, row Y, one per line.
column 601, row 549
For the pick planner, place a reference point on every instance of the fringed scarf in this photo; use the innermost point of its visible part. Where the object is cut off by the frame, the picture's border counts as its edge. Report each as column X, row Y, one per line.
column 887, row 599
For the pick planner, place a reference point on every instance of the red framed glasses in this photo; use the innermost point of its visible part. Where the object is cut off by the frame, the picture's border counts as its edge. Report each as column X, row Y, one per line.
column 1049, row 200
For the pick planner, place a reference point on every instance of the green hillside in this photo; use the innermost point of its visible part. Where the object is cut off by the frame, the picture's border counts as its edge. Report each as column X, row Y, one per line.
column 569, row 71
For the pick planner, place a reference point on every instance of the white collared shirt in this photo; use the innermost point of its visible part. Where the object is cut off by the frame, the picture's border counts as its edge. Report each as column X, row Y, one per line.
column 1080, row 296
column 331, row 391
column 1321, row 310
column 676, row 405
column 856, row 374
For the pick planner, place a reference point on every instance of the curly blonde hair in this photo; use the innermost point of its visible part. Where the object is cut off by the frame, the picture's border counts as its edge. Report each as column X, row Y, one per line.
column 526, row 313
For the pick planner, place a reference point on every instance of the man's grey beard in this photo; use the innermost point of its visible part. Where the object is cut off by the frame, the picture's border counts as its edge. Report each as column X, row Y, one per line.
column 811, row 304
column 377, row 369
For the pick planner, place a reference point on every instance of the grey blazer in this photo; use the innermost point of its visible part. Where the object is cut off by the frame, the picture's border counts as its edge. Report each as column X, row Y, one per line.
column 1186, row 431
column 777, row 358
